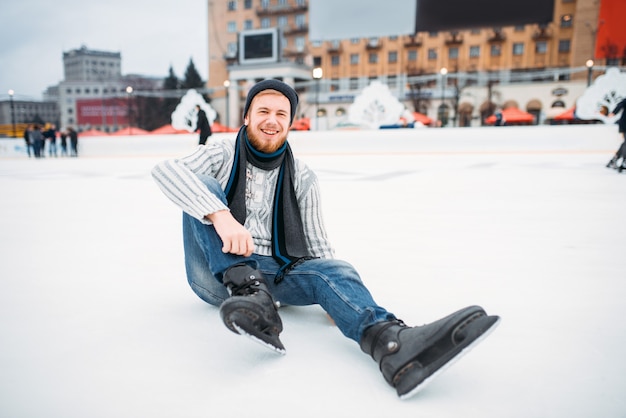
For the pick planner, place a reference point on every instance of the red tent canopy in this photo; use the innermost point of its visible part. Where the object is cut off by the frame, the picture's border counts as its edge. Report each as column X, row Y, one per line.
column 168, row 129
column 218, row 127
column 92, row 132
column 302, row 124
column 420, row 117
column 567, row 115
column 512, row 115
column 131, row 131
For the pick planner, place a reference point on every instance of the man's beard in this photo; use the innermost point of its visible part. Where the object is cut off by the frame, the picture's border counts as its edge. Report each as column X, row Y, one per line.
column 263, row 146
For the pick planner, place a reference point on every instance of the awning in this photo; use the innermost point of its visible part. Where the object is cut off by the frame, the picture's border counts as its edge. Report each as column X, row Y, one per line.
column 512, row 115
column 569, row 114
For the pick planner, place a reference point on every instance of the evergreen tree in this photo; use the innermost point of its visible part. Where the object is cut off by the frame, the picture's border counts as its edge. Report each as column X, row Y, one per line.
column 171, row 82
column 192, row 78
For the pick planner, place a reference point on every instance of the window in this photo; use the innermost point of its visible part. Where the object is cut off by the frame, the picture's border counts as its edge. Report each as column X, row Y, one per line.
column 519, row 28
column 247, row 24
column 265, row 4
column 281, row 21
column 474, row 51
column 232, row 49
column 566, row 21
column 247, row 4
column 300, row 21
column 433, row 34
column 518, row 48
column 354, row 59
column 564, row 45
column 432, row 54
column 392, row 81
column 354, row 83
column 335, row 61
column 453, row 52
column 231, row 27
column 392, row 57
column 411, row 56
column 541, row 47
column 232, row 5
column 266, row 22
column 372, row 58
column 300, row 42
column 496, row 50
column 355, row 41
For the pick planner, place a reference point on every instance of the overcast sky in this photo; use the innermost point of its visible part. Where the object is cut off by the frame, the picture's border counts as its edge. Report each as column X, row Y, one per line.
column 150, row 35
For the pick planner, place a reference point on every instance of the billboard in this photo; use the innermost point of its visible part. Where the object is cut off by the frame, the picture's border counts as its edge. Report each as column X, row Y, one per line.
column 336, row 20
column 102, row 112
column 258, row 46
column 611, row 35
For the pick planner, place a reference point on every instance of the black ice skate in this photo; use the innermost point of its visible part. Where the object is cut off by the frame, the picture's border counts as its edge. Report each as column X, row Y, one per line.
column 410, row 357
column 251, row 310
column 612, row 163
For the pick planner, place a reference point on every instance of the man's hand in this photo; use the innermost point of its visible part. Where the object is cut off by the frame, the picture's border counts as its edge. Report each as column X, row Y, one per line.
column 235, row 237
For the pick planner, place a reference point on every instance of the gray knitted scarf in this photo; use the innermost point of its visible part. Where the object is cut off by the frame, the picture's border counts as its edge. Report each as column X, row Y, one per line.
column 288, row 242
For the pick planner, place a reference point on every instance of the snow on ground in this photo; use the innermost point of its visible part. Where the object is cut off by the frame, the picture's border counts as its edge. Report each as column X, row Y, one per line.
column 96, row 318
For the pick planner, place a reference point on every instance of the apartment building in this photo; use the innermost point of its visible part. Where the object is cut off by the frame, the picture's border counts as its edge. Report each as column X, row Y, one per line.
column 485, row 65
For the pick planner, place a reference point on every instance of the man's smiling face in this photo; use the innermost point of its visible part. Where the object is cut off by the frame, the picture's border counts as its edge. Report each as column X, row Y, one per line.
column 268, row 121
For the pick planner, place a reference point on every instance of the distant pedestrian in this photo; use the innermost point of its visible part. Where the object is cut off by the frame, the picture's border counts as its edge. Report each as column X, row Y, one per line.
column 50, row 135
column 37, row 140
column 73, row 141
column 63, row 135
column 29, row 145
column 499, row 118
column 621, row 123
column 203, row 125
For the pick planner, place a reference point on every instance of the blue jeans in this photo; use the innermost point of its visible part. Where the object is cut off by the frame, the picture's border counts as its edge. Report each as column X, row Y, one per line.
column 334, row 285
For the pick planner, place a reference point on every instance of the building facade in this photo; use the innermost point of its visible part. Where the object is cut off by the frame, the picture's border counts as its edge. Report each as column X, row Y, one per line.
column 437, row 73
column 92, row 76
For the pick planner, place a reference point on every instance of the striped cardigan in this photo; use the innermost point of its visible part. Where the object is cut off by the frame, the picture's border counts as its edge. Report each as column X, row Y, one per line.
column 178, row 179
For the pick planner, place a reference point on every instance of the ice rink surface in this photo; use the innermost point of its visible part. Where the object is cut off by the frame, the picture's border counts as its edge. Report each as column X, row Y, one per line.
column 96, row 318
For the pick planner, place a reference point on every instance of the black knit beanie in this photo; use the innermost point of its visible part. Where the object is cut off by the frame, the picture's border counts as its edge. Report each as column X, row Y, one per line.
column 272, row 84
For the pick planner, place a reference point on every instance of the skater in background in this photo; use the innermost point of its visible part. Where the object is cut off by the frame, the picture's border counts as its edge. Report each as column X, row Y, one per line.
column 29, row 145
column 63, row 136
column 621, row 151
column 50, row 134
column 254, row 237
column 37, row 140
column 203, row 125
column 73, row 141
column 499, row 118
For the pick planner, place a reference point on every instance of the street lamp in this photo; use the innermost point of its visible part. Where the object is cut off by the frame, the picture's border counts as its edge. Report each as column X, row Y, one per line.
column 589, row 65
column 317, row 75
column 129, row 91
column 226, row 86
column 11, row 93
column 443, row 73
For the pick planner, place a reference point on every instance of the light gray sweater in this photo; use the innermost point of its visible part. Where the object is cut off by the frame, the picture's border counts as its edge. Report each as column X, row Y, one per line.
column 178, row 179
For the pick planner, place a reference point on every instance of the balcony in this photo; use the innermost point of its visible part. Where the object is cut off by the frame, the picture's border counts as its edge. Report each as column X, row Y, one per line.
column 454, row 38
column 281, row 10
column 373, row 44
column 294, row 52
column 412, row 41
column 295, row 30
column 542, row 33
column 496, row 35
column 334, row 47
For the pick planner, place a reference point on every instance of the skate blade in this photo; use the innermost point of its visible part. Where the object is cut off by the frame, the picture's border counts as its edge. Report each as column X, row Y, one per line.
column 450, row 362
column 279, row 350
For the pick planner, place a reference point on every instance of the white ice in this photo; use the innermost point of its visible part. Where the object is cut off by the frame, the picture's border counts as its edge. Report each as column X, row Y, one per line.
column 97, row 320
